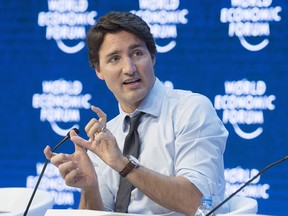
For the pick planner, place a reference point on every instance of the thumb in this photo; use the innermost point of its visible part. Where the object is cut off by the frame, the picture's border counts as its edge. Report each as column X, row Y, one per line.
column 79, row 142
column 48, row 153
column 73, row 133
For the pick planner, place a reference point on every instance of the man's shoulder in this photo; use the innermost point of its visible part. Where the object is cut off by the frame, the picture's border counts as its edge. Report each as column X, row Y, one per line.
column 186, row 96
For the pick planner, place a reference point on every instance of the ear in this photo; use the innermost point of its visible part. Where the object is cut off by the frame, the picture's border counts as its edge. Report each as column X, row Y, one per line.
column 98, row 73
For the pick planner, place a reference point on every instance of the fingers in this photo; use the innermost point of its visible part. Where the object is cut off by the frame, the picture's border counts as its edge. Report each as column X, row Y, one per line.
column 56, row 159
column 67, row 167
column 102, row 116
column 48, row 153
column 80, row 143
column 71, row 179
column 95, row 126
column 59, row 159
column 70, row 172
column 72, row 167
column 73, row 133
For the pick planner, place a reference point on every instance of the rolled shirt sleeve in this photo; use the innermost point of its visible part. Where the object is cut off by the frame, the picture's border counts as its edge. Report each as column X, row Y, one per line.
column 200, row 146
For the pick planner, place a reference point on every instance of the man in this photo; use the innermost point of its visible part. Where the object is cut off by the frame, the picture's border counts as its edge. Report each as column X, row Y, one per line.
column 182, row 139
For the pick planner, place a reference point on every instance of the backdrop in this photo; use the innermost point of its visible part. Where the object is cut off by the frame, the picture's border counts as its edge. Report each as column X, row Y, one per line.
column 235, row 52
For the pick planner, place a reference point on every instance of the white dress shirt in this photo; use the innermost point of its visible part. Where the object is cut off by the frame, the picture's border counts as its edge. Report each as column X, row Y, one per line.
column 181, row 135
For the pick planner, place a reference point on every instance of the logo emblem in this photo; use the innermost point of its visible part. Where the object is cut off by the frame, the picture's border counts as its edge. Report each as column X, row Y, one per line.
column 65, row 23
column 162, row 18
column 250, row 21
column 244, row 104
column 60, row 103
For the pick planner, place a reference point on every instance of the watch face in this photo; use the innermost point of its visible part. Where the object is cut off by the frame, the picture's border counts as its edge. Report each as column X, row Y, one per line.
column 133, row 160
column 132, row 164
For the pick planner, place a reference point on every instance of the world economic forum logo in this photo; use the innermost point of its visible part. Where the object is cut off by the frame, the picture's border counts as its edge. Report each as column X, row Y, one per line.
column 60, row 103
column 249, row 21
column 65, row 23
column 243, row 104
column 163, row 18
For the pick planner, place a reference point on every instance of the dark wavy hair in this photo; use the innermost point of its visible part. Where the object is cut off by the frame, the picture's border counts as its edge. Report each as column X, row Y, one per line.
column 114, row 22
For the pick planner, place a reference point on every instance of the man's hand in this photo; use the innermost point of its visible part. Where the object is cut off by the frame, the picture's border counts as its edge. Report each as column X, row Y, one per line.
column 76, row 169
column 102, row 142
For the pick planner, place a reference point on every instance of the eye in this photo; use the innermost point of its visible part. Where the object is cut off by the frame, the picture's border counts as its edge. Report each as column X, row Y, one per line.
column 113, row 59
column 137, row 53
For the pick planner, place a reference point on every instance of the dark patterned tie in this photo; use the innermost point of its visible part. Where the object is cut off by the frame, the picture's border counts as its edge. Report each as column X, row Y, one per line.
column 131, row 147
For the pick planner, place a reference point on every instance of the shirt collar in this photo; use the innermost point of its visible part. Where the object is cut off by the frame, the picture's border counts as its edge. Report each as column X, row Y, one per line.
column 150, row 105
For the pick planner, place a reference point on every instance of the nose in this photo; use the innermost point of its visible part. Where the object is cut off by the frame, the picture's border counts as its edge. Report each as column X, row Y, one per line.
column 129, row 66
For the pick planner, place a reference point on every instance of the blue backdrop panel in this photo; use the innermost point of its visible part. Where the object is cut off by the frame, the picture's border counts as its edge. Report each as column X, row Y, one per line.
column 234, row 52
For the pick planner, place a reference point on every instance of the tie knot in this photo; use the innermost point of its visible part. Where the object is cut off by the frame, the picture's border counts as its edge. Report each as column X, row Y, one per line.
column 134, row 121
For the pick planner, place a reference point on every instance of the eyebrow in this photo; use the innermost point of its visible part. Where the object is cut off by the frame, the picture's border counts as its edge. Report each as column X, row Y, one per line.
column 136, row 45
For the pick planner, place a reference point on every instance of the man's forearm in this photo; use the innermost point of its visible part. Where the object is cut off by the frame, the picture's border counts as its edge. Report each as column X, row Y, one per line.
column 91, row 200
column 175, row 193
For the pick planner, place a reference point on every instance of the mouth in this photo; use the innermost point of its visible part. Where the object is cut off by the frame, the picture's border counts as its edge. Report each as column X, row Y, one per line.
column 131, row 81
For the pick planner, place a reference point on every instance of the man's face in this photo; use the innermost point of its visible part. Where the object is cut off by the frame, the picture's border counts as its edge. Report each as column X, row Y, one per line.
column 127, row 68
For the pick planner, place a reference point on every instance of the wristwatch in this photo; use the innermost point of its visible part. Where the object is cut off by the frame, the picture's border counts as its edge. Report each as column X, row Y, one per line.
column 133, row 163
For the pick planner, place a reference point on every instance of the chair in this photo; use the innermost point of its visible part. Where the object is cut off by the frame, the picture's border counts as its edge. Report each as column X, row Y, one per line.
column 13, row 201
column 242, row 205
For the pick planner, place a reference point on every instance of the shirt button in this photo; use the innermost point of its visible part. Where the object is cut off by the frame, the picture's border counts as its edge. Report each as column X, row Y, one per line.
column 132, row 197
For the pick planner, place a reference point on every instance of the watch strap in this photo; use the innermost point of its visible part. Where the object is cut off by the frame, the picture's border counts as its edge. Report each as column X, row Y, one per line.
column 132, row 164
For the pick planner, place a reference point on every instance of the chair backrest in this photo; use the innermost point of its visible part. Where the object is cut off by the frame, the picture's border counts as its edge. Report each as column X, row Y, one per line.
column 14, row 201
column 242, row 205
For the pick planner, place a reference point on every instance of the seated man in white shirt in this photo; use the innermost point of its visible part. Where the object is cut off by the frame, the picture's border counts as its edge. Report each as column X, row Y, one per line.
column 182, row 140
